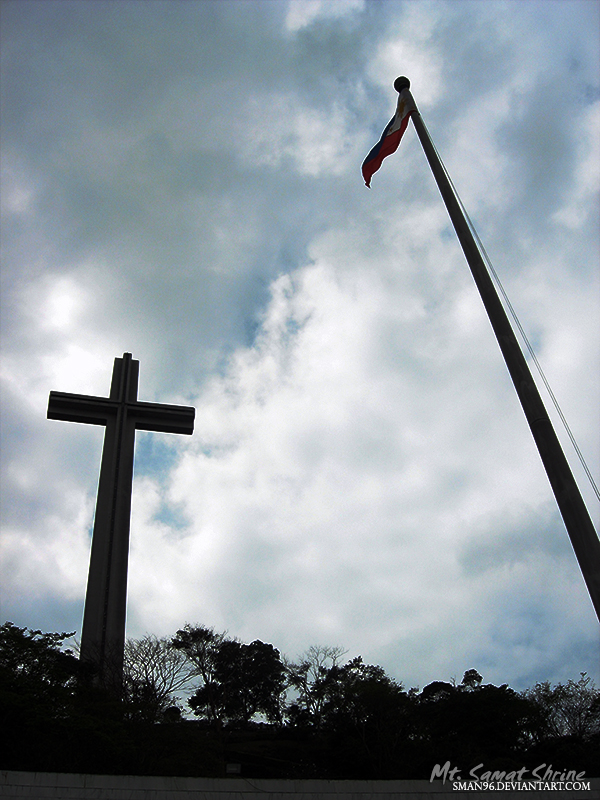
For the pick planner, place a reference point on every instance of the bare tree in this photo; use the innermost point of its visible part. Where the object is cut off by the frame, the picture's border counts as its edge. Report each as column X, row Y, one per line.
column 154, row 671
column 307, row 677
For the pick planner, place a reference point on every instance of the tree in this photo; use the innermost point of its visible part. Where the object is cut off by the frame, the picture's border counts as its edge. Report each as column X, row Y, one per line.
column 38, row 692
column 471, row 680
column 251, row 679
column 238, row 680
column 359, row 695
column 35, row 672
column 567, row 710
column 306, row 677
column 201, row 646
column 154, row 671
column 369, row 716
column 471, row 723
column 436, row 690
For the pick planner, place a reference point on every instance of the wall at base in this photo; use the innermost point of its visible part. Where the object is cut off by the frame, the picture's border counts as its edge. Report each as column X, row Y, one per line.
column 66, row 786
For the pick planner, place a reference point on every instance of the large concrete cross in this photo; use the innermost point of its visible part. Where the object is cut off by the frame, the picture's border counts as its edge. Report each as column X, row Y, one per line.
column 103, row 632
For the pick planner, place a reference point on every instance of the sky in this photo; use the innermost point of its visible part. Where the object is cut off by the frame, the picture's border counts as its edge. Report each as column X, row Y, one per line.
column 181, row 181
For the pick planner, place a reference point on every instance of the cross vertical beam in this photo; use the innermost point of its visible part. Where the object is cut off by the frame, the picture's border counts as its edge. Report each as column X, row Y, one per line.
column 103, row 632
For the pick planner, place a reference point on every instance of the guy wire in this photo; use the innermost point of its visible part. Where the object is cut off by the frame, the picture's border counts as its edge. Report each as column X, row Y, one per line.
column 521, row 331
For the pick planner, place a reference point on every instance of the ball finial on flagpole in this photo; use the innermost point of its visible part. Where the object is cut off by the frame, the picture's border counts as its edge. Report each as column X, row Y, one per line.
column 401, row 83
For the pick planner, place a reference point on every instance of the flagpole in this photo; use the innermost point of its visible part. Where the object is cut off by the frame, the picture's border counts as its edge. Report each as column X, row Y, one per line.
column 578, row 523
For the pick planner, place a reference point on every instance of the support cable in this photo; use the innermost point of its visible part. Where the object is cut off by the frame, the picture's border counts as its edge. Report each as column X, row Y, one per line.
column 513, row 313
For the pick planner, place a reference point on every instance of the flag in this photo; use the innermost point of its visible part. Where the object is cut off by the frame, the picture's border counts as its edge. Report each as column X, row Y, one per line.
column 390, row 138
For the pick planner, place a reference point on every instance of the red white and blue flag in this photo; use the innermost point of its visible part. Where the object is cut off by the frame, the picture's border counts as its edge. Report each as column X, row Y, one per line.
column 390, row 138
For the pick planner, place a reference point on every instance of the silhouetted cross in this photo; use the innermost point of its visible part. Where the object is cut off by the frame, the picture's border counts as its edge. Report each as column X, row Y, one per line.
column 103, row 632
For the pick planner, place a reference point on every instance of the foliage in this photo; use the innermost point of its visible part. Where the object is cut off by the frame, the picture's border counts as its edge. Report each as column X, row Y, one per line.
column 35, row 672
column 201, row 645
column 371, row 714
column 251, row 677
column 238, row 680
column 154, row 671
column 317, row 717
column 571, row 709
column 473, row 723
column 306, row 678
column 471, row 679
column 358, row 694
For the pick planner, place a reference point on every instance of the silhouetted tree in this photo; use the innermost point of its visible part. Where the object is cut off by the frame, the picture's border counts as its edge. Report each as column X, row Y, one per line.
column 37, row 676
column 154, row 671
column 471, row 679
column 201, row 646
column 306, row 677
column 366, row 716
column 472, row 723
column 347, row 720
column 567, row 710
column 251, row 679
column 437, row 690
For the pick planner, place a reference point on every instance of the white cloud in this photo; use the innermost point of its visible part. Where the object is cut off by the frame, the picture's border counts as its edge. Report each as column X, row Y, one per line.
column 55, row 554
column 276, row 130
column 187, row 188
column 583, row 199
column 322, row 490
column 403, row 56
column 302, row 13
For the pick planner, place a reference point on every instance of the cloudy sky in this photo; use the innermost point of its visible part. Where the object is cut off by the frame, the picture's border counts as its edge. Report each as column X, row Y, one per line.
column 181, row 180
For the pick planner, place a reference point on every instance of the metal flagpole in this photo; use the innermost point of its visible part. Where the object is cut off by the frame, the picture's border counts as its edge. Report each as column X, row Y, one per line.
column 572, row 508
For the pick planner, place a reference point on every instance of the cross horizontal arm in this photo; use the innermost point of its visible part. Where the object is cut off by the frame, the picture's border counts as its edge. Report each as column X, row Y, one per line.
column 159, row 417
column 80, row 408
column 163, row 418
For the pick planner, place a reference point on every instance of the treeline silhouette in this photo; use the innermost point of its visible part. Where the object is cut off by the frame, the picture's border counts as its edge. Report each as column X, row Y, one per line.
column 203, row 704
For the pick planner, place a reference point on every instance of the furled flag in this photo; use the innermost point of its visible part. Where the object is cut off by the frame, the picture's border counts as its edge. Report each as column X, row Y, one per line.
column 390, row 138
